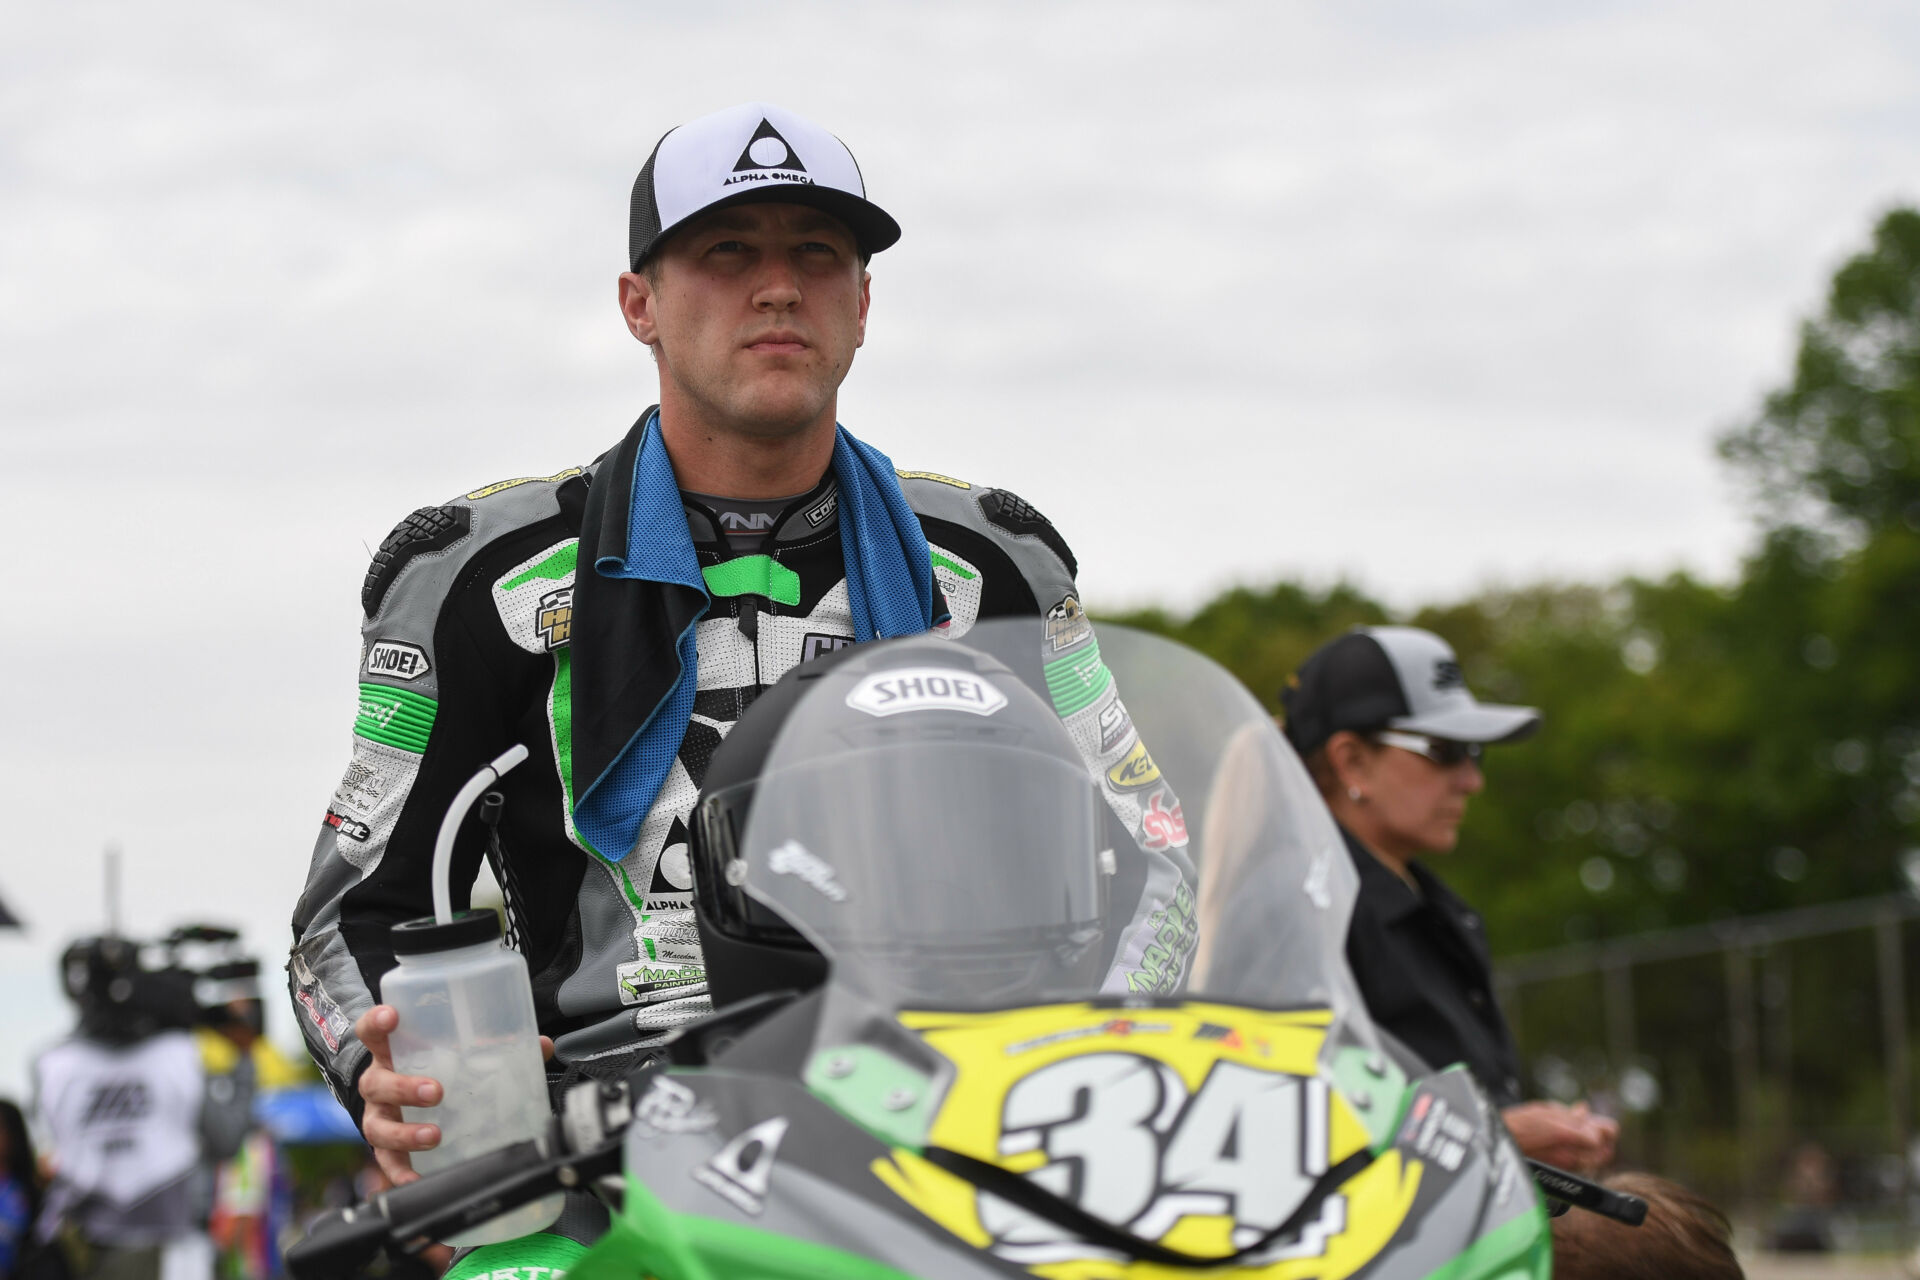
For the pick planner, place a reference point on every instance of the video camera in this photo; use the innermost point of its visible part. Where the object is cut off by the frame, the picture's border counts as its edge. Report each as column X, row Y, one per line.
column 127, row 990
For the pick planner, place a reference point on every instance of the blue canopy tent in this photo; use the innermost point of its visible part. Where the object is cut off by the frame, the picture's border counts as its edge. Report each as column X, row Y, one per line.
column 304, row 1115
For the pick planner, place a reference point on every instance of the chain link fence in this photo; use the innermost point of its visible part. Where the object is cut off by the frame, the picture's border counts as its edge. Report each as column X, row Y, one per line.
column 1765, row 1060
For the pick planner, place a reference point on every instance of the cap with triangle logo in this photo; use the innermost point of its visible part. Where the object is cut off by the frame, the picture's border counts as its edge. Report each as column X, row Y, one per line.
column 755, row 152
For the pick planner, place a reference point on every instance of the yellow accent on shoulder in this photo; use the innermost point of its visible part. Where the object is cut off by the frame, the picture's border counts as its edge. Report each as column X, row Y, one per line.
column 934, row 476
column 492, row 489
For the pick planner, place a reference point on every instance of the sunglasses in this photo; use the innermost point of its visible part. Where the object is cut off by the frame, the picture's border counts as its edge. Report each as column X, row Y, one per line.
column 1442, row 751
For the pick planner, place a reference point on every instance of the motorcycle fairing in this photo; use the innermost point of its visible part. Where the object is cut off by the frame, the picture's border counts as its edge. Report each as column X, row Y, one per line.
column 1199, row 1127
column 704, row 1205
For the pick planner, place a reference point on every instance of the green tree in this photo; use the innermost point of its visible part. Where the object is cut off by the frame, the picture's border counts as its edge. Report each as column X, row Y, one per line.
column 1838, row 448
column 1263, row 635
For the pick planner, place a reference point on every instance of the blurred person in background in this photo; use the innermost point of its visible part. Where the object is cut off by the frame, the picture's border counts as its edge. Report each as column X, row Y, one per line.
column 247, row 1199
column 1392, row 737
column 131, row 1116
column 1683, row 1238
column 19, row 1191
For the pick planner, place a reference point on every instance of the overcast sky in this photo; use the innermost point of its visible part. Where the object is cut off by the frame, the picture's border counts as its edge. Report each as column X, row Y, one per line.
column 1232, row 291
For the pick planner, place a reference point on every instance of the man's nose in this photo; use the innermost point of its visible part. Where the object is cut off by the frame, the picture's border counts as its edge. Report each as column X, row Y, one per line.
column 778, row 288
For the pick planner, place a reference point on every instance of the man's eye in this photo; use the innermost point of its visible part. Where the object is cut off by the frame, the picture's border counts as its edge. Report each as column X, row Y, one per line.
column 729, row 246
column 817, row 246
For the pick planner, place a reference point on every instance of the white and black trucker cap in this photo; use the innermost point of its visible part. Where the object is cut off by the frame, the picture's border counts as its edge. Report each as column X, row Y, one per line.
column 1392, row 678
column 752, row 152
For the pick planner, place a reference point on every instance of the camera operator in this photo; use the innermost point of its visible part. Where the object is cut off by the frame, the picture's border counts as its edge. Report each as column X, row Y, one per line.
column 132, row 1117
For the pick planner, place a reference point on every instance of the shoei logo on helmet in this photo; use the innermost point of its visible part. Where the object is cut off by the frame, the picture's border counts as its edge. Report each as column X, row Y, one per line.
column 888, row 693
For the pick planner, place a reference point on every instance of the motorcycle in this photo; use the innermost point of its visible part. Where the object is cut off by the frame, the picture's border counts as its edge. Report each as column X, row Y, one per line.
column 970, row 1092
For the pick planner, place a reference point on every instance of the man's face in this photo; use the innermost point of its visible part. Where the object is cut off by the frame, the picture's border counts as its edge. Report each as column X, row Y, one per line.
column 754, row 313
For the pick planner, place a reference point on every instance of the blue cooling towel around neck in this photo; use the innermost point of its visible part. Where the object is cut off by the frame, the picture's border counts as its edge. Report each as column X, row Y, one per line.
column 889, row 585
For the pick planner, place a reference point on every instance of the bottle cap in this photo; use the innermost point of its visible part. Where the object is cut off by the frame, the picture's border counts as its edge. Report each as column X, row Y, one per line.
column 427, row 934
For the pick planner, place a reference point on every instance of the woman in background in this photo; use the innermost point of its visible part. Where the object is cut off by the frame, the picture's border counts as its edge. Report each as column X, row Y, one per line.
column 1392, row 737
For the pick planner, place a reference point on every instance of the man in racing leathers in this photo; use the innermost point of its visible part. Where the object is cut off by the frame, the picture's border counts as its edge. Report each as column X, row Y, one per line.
column 618, row 617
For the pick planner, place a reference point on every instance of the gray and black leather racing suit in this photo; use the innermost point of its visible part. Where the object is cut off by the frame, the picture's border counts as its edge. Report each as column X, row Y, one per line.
column 480, row 632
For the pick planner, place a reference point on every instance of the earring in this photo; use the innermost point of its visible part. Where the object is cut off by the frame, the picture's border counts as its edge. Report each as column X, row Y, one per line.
column 1356, row 795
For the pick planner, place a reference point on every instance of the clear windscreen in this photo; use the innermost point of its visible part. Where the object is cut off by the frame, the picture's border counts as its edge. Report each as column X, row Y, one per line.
column 942, row 870
column 977, row 868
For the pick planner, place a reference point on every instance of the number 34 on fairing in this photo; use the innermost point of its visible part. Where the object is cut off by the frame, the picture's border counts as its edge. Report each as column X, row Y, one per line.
column 1200, row 1127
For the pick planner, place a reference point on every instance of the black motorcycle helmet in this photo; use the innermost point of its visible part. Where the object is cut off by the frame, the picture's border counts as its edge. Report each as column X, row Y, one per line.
column 813, row 716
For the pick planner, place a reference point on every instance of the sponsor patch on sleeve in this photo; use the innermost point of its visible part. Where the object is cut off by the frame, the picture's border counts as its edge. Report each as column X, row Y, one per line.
column 397, row 660
column 1067, row 625
column 351, row 828
column 1135, row 771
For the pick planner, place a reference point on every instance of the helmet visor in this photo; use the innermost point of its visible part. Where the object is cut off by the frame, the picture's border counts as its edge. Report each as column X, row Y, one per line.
column 941, row 869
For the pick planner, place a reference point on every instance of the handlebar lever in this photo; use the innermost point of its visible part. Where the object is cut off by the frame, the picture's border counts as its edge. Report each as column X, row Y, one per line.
column 341, row 1244
column 582, row 1146
column 1570, row 1190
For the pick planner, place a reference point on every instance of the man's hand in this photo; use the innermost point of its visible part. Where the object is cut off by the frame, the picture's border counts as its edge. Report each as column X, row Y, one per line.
column 1570, row 1138
column 386, row 1091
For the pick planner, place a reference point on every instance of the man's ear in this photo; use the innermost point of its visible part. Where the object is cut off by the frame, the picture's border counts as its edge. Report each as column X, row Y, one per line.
column 637, row 306
column 866, row 297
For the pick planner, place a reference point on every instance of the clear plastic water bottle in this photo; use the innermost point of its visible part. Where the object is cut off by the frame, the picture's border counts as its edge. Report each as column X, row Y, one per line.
column 466, row 1020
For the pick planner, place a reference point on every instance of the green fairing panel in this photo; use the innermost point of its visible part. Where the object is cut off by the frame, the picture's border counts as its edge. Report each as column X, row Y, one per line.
column 650, row 1240
column 1521, row 1249
column 540, row 1256
column 1388, row 1087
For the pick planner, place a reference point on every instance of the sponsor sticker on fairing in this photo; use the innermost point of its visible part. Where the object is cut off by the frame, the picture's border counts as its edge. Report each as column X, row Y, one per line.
column 889, row 693
column 741, row 1171
column 1435, row 1131
column 669, row 1106
column 397, row 660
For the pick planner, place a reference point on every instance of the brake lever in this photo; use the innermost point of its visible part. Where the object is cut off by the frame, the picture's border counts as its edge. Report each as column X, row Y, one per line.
column 581, row 1146
column 565, row 1172
column 1568, row 1190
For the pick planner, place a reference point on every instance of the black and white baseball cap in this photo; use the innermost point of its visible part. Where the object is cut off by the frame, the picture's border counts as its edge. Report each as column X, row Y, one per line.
column 752, row 152
column 1392, row 678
